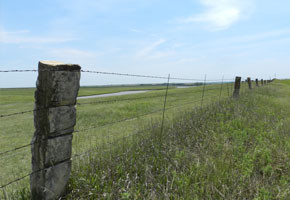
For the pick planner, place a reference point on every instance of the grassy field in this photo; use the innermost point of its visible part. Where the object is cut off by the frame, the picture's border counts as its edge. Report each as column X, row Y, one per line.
column 233, row 149
column 143, row 110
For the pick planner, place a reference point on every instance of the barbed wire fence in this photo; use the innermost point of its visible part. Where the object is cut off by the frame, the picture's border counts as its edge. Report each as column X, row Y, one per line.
column 209, row 90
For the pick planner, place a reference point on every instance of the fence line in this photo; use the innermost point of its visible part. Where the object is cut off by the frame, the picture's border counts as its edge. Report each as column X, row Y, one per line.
column 164, row 105
column 73, row 156
column 203, row 90
column 221, row 89
column 116, row 74
column 203, row 98
column 18, row 113
column 15, row 149
column 96, row 102
column 112, row 123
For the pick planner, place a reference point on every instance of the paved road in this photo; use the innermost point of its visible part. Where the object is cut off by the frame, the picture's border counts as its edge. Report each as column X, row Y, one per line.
column 124, row 93
column 113, row 94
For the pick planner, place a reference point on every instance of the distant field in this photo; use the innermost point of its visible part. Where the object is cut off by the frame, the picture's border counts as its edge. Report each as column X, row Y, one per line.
column 18, row 130
column 284, row 82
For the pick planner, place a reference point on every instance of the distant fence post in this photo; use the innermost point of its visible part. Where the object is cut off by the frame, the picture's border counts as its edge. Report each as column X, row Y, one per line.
column 257, row 82
column 262, row 82
column 249, row 83
column 54, row 121
column 236, row 93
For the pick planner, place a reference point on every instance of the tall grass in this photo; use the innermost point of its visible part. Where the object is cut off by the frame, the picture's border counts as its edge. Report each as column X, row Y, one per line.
column 228, row 150
column 18, row 130
column 232, row 149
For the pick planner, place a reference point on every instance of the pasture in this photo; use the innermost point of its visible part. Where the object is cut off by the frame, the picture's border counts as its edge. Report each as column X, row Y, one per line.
column 100, row 121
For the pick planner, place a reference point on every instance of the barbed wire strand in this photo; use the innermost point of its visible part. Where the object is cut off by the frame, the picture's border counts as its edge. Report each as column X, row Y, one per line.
column 137, row 98
column 73, row 156
column 111, row 73
column 129, row 99
column 15, row 149
column 97, row 102
column 145, row 76
column 138, row 116
column 18, row 113
column 18, row 153
column 76, row 155
column 111, row 123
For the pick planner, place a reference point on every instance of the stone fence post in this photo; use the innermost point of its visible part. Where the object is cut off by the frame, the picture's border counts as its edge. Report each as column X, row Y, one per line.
column 54, row 121
column 257, row 82
column 249, row 83
column 262, row 82
column 236, row 93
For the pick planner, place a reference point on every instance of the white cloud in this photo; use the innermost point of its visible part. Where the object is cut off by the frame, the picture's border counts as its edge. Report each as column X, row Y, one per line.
column 148, row 49
column 221, row 14
column 85, row 58
column 278, row 36
column 70, row 53
column 22, row 36
column 135, row 30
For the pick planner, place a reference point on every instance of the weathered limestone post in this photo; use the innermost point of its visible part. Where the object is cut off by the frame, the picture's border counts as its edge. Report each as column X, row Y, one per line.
column 249, row 83
column 257, row 82
column 54, row 121
column 237, row 87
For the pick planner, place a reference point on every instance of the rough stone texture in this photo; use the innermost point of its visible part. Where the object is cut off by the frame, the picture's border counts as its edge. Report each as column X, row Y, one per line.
column 257, row 82
column 249, row 83
column 61, row 120
column 54, row 121
column 57, row 84
column 58, row 149
column 56, row 181
column 237, row 87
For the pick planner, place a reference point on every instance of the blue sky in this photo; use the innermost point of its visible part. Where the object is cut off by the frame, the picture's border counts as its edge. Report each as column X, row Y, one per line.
column 186, row 38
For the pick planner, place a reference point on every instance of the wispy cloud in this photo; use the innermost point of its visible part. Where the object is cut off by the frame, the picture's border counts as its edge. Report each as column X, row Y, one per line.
column 135, row 30
column 71, row 53
column 250, row 40
column 23, row 36
column 220, row 14
column 151, row 47
column 74, row 55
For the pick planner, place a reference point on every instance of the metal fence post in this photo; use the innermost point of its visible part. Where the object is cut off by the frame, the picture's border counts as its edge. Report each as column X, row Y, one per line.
column 203, row 91
column 236, row 93
column 54, row 121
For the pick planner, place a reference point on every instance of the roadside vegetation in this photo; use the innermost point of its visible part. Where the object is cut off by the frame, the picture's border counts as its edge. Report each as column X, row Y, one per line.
column 228, row 149
column 100, row 121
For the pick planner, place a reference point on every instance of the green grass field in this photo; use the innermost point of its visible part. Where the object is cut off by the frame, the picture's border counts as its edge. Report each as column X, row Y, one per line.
column 230, row 149
column 18, row 130
column 233, row 149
